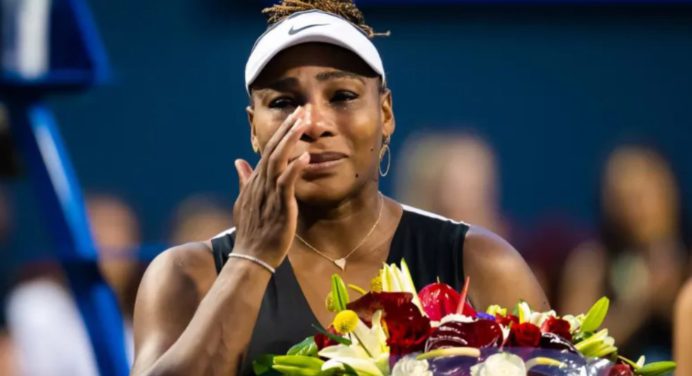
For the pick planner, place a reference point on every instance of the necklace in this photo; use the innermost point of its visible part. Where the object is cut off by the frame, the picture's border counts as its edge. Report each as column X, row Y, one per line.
column 341, row 262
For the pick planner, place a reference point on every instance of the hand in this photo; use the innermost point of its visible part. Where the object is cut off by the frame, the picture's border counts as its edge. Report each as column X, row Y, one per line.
column 266, row 211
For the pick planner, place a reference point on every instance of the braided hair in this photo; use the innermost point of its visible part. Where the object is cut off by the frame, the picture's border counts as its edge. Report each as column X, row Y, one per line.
column 343, row 8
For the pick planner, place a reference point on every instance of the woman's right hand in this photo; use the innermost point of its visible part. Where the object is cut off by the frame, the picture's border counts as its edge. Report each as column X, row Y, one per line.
column 266, row 211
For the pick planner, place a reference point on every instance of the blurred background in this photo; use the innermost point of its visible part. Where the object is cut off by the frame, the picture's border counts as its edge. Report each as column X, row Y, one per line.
column 564, row 126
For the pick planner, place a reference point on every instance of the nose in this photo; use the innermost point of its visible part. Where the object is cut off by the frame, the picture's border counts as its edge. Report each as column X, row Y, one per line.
column 319, row 123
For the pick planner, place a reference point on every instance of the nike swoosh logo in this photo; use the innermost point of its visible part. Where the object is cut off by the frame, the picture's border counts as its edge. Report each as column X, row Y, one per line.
column 293, row 30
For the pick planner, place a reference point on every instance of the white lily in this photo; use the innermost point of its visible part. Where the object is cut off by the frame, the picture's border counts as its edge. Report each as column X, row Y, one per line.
column 574, row 322
column 399, row 280
column 368, row 353
column 538, row 318
column 598, row 345
column 355, row 357
column 373, row 339
column 523, row 311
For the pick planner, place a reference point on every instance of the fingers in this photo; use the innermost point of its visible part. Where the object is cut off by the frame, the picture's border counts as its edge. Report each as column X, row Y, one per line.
column 279, row 158
column 287, row 181
column 282, row 130
column 244, row 172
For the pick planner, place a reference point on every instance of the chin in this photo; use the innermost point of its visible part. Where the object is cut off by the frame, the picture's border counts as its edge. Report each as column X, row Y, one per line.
column 325, row 191
column 319, row 192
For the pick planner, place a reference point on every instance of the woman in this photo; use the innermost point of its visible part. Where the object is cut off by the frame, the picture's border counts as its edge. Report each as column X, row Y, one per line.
column 321, row 118
column 640, row 259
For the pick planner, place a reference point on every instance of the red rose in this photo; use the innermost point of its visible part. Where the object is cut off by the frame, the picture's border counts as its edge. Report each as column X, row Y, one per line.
column 524, row 335
column 408, row 328
column 557, row 326
column 620, row 370
column 506, row 321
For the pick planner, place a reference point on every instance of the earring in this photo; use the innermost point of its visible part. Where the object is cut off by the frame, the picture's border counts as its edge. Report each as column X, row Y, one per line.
column 385, row 150
column 255, row 148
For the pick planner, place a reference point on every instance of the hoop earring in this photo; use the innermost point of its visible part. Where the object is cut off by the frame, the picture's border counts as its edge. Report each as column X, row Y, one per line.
column 385, row 150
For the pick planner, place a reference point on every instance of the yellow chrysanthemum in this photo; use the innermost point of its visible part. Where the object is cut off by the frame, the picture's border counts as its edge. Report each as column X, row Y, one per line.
column 376, row 284
column 345, row 321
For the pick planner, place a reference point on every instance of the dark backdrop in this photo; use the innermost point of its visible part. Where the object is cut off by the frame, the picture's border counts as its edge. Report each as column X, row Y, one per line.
column 552, row 87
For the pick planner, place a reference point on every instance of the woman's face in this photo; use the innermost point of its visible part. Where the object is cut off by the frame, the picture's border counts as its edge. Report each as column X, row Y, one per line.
column 640, row 195
column 350, row 117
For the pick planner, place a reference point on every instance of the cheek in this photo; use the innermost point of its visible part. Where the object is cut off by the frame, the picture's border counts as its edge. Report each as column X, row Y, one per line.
column 265, row 125
column 364, row 135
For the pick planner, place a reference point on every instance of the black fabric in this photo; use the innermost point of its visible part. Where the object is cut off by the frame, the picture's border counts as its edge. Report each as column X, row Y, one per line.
column 432, row 248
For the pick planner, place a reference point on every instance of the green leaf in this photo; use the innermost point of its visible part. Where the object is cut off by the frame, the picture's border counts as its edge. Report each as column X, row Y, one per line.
column 333, row 337
column 594, row 318
column 302, row 361
column 306, row 347
column 262, row 366
column 657, row 368
column 629, row 362
column 296, row 371
column 581, row 336
column 339, row 293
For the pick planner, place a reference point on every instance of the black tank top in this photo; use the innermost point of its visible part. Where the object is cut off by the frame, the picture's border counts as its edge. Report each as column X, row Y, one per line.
column 431, row 245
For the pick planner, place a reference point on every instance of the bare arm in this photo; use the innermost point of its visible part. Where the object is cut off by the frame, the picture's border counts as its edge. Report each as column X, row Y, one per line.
column 682, row 345
column 181, row 331
column 187, row 324
column 499, row 275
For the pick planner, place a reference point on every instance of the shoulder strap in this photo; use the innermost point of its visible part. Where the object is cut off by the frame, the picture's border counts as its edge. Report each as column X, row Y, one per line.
column 221, row 246
column 432, row 246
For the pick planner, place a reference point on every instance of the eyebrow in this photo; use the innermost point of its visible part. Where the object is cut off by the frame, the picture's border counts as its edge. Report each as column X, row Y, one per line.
column 288, row 83
column 282, row 84
column 332, row 75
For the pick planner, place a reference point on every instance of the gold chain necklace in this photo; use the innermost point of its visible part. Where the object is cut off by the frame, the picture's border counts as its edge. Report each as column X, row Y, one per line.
column 341, row 262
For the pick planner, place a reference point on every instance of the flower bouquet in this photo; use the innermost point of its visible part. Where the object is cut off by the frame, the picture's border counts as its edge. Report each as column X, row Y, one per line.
column 394, row 330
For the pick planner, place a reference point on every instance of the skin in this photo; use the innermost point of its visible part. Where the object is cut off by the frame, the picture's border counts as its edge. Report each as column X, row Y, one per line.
column 640, row 197
column 311, row 98
column 682, row 344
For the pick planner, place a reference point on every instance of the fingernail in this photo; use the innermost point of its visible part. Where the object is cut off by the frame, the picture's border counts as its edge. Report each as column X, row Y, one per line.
column 305, row 156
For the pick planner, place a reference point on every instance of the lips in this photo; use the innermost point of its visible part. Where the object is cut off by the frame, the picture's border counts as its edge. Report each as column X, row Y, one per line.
column 317, row 158
column 324, row 162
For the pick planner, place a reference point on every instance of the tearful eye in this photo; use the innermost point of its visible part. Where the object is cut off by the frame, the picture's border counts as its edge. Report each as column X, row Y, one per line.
column 282, row 103
column 344, row 96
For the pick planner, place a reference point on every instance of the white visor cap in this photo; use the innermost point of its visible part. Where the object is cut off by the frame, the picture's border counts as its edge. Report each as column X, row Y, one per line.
column 305, row 27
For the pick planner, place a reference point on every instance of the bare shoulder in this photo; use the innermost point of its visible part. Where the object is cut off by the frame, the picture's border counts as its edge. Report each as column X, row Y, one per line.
column 171, row 289
column 684, row 301
column 185, row 270
column 193, row 261
column 488, row 252
column 499, row 275
column 484, row 246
